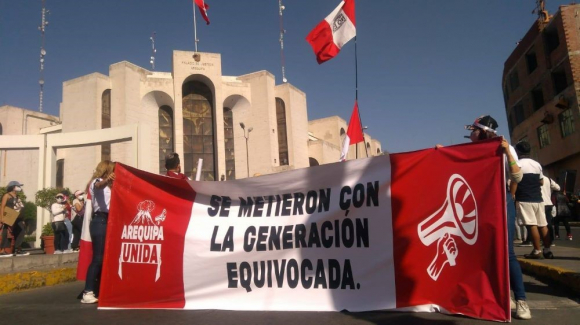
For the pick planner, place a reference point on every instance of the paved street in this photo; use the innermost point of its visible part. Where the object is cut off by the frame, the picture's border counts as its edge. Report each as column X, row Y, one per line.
column 58, row 305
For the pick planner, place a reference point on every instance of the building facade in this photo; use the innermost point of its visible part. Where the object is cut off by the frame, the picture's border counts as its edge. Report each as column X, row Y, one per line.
column 541, row 85
column 239, row 126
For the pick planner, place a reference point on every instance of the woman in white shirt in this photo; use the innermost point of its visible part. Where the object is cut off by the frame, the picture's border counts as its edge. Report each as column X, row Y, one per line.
column 100, row 192
column 61, row 236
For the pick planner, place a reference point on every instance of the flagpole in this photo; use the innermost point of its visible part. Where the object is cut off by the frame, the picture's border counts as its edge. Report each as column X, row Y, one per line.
column 194, row 27
column 356, row 96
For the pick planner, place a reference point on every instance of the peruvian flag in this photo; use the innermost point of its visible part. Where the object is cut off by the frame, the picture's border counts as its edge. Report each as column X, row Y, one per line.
column 203, row 7
column 390, row 232
column 354, row 134
column 86, row 243
column 328, row 37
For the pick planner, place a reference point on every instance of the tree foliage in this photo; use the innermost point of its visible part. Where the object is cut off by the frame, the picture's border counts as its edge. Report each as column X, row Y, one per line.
column 46, row 197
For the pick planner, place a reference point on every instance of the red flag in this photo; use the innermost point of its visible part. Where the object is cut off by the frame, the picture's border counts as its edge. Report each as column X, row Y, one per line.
column 328, row 37
column 354, row 134
column 203, row 7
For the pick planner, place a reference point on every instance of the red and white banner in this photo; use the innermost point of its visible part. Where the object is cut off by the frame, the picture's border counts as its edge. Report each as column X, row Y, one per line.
column 418, row 231
column 328, row 37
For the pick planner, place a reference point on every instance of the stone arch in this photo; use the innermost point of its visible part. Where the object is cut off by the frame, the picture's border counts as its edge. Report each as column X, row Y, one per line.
column 199, row 127
column 236, row 110
column 313, row 162
column 158, row 110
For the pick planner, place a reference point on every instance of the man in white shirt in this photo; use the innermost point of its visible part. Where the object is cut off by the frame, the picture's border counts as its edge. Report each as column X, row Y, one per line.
column 529, row 201
column 547, row 188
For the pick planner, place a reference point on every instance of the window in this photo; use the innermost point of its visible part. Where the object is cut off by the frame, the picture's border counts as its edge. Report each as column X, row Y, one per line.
column 60, row 173
column 106, row 122
column 537, row 98
column 543, row 136
column 506, row 94
column 519, row 113
column 514, row 80
column 165, row 135
column 229, row 143
column 566, row 122
column 282, row 136
column 559, row 80
column 531, row 61
column 551, row 39
column 198, row 130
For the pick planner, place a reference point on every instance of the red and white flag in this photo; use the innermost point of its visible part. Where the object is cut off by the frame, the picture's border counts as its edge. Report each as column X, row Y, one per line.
column 388, row 232
column 354, row 134
column 203, row 7
column 86, row 243
column 328, row 37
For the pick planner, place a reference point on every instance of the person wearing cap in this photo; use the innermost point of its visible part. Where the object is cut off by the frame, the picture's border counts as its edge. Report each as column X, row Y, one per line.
column 529, row 202
column 61, row 236
column 10, row 199
column 78, row 207
column 484, row 127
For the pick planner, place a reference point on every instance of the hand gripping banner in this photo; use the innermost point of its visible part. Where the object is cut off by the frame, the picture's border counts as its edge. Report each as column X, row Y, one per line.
column 418, row 231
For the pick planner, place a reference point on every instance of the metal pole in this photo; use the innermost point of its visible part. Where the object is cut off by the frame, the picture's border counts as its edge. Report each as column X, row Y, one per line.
column 194, row 27
column 247, row 153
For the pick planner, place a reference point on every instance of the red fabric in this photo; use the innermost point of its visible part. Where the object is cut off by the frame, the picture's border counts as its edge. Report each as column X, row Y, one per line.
column 175, row 196
column 419, row 191
column 355, row 132
column 203, row 7
column 321, row 38
column 176, row 175
column 85, row 259
column 85, row 245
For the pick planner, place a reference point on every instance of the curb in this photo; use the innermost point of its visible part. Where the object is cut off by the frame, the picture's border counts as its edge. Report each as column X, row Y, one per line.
column 34, row 279
column 564, row 277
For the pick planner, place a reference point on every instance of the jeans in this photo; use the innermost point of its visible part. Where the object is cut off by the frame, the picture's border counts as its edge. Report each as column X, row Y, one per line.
column 77, row 224
column 564, row 220
column 18, row 232
column 548, row 211
column 60, row 236
column 516, row 278
column 98, row 230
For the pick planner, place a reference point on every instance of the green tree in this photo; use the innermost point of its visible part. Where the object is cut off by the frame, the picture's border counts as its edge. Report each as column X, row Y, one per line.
column 20, row 194
column 46, row 197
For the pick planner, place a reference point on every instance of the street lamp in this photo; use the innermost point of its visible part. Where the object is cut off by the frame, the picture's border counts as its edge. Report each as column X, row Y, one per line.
column 243, row 126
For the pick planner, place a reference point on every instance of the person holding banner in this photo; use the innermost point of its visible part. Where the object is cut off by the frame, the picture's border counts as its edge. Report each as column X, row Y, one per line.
column 100, row 191
column 12, row 201
column 484, row 127
column 173, row 166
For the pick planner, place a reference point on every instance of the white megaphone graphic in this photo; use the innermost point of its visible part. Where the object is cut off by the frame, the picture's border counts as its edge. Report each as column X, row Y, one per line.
column 456, row 217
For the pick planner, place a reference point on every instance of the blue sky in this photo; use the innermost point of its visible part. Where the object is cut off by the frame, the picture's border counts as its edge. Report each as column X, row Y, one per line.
column 425, row 68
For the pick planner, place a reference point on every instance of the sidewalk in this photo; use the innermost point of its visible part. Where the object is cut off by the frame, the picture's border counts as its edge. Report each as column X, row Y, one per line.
column 36, row 270
column 563, row 270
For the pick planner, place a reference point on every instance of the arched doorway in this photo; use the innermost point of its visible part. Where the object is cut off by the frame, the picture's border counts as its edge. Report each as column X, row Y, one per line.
column 198, row 130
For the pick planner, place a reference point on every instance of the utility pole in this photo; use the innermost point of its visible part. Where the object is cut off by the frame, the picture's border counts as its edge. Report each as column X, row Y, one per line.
column 42, row 29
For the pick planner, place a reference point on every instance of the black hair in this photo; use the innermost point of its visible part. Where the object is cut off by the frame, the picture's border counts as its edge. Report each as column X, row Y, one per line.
column 10, row 188
column 172, row 161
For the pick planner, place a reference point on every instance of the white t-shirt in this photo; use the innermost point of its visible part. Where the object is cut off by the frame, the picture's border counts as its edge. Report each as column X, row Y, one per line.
column 58, row 212
column 547, row 188
column 100, row 198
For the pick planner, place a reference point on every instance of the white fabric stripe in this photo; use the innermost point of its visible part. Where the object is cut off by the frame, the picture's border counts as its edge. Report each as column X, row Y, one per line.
column 346, row 30
column 205, row 271
column 345, row 145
